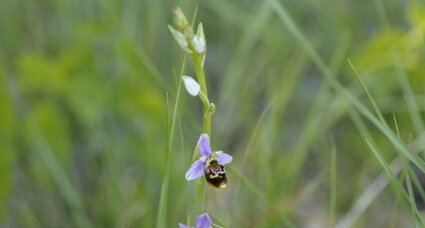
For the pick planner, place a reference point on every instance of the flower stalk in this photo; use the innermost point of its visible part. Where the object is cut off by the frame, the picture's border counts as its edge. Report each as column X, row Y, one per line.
column 209, row 164
column 200, row 73
column 206, row 118
column 194, row 44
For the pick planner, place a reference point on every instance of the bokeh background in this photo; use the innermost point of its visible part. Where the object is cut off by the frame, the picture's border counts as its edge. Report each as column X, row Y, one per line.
column 85, row 86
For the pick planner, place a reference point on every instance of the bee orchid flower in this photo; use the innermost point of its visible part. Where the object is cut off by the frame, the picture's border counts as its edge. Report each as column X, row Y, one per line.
column 210, row 164
column 202, row 221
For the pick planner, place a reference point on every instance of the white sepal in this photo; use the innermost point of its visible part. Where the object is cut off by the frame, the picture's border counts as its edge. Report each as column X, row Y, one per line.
column 192, row 87
column 180, row 19
column 198, row 45
column 180, row 39
column 201, row 35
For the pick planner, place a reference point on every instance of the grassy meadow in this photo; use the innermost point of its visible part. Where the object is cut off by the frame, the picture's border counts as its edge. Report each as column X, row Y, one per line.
column 321, row 104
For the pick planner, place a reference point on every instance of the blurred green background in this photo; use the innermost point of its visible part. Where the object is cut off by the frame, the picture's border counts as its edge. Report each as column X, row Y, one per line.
column 83, row 110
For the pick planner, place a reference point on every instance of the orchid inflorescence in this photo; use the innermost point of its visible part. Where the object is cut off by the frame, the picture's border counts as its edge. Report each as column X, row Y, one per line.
column 209, row 163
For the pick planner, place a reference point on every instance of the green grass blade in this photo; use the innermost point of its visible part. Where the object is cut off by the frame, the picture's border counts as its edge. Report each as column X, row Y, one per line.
column 378, row 113
column 317, row 60
column 315, row 116
column 54, row 168
column 161, row 220
column 378, row 185
column 406, row 174
column 369, row 96
column 409, row 97
column 333, row 183
column 418, row 185
column 401, row 74
column 406, row 171
column 52, row 164
column 162, row 209
column 256, row 191
column 312, row 186
column 397, row 184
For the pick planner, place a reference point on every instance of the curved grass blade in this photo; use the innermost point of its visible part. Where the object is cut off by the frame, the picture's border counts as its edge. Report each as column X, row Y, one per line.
column 250, row 186
column 351, row 98
column 397, row 184
column 162, row 209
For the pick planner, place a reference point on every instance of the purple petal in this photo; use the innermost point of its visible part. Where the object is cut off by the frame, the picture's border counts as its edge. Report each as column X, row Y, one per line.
column 184, row 226
column 223, row 158
column 203, row 221
column 204, row 145
column 195, row 171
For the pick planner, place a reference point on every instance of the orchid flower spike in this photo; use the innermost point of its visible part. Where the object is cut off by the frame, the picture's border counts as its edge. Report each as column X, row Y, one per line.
column 210, row 164
column 202, row 221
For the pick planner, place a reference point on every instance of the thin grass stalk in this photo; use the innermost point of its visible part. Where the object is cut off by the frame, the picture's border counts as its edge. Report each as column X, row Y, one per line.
column 317, row 60
column 162, row 209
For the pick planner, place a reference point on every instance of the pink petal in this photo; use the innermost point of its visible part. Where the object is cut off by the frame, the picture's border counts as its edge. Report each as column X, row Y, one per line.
column 204, row 145
column 223, row 158
column 203, row 221
column 195, row 171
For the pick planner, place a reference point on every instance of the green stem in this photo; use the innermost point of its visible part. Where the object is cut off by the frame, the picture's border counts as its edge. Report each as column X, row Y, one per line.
column 206, row 123
column 197, row 62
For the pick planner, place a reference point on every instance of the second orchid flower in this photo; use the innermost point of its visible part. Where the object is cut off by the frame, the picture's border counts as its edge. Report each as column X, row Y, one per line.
column 210, row 164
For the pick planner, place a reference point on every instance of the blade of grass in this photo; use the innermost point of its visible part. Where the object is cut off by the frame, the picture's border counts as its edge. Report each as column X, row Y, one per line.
column 162, row 209
column 48, row 158
column 52, row 165
column 406, row 174
column 312, row 186
column 252, row 34
column 375, row 188
column 317, row 60
column 418, row 185
column 397, row 185
column 406, row 171
column 150, row 68
column 256, row 191
column 369, row 96
column 161, row 221
column 314, row 126
column 250, row 144
column 333, row 183
column 378, row 113
column 401, row 74
column 409, row 97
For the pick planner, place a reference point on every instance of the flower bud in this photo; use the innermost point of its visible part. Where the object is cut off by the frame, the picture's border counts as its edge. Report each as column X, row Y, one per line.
column 180, row 39
column 180, row 20
column 198, row 45
column 192, row 87
column 202, row 43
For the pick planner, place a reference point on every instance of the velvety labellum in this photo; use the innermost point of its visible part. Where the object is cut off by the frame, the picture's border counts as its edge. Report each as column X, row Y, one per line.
column 215, row 174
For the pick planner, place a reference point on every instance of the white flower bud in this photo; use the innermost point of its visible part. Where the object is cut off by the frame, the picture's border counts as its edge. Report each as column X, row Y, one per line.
column 201, row 35
column 198, row 44
column 192, row 87
column 180, row 19
column 180, row 39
